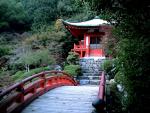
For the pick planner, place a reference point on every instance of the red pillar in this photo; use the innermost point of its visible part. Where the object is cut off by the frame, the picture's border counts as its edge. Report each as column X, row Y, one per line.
column 81, row 53
column 87, row 44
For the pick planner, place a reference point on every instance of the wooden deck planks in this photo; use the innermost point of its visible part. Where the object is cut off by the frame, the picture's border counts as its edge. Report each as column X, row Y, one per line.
column 66, row 99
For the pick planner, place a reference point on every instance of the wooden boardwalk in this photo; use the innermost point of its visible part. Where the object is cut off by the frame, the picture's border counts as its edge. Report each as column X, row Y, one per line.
column 66, row 99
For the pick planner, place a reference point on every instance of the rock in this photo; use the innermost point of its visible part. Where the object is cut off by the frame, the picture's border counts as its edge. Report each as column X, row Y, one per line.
column 58, row 68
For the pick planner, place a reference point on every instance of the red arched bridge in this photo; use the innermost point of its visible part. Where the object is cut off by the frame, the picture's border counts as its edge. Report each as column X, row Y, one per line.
column 49, row 97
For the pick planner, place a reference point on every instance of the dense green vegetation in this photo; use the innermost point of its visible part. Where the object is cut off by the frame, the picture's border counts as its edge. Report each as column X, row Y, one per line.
column 132, row 24
column 72, row 66
column 109, row 65
column 13, row 16
column 23, row 74
column 32, row 34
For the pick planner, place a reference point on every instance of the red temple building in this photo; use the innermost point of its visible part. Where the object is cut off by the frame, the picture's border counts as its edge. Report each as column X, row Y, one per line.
column 91, row 34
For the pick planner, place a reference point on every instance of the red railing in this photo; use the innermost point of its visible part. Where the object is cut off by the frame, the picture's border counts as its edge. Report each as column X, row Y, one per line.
column 14, row 98
column 79, row 46
column 99, row 103
column 101, row 92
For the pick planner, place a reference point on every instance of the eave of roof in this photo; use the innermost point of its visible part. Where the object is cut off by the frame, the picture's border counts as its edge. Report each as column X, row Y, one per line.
column 90, row 23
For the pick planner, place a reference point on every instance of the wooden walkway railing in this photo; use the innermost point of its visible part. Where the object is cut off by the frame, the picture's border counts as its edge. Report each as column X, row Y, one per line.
column 99, row 103
column 16, row 97
column 101, row 92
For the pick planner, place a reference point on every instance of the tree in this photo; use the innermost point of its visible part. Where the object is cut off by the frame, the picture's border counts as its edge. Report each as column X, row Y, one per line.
column 73, row 68
column 4, row 50
column 132, row 29
column 13, row 16
column 73, row 58
column 35, row 58
column 45, row 12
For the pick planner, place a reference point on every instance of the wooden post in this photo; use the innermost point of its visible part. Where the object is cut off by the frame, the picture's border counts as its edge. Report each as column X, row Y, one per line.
column 43, row 85
column 20, row 89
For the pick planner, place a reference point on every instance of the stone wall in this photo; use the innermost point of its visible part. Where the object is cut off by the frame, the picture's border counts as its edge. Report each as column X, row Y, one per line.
column 91, row 70
column 91, row 65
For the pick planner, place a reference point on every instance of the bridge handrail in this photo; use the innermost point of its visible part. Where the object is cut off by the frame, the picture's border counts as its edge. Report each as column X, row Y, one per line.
column 24, row 93
column 101, row 92
column 99, row 103
column 9, row 89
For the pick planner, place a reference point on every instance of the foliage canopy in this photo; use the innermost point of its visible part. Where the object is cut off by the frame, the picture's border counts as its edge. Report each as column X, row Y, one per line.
column 132, row 24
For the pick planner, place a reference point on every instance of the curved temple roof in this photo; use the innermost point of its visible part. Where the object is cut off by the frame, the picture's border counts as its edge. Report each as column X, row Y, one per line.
column 78, row 29
column 90, row 23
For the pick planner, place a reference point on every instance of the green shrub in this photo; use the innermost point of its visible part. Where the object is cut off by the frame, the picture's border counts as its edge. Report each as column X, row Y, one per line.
column 22, row 74
column 18, row 75
column 115, row 104
column 73, row 70
column 73, row 58
column 4, row 50
column 109, row 67
column 34, row 58
column 5, row 79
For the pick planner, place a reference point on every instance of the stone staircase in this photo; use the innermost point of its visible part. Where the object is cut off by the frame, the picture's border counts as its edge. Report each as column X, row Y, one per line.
column 91, row 70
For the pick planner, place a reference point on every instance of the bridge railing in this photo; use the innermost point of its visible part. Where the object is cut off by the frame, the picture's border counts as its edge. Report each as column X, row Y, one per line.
column 14, row 98
column 101, row 92
column 99, row 103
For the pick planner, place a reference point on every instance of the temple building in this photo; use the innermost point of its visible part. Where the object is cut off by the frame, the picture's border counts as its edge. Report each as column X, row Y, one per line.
column 91, row 34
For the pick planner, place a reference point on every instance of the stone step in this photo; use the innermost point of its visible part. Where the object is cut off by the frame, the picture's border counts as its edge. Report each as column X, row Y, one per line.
column 91, row 68
column 87, row 69
column 98, row 64
column 94, row 82
column 90, row 63
column 89, row 77
column 91, row 71
column 91, row 82
column 91, row 74
column 88, row 60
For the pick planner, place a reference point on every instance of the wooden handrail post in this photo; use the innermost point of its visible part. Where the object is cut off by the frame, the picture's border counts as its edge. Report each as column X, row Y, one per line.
column 42, row 76
column 20, row 89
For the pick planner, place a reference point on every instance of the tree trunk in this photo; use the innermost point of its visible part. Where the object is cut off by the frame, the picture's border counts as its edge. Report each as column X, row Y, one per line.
column 27, row 66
